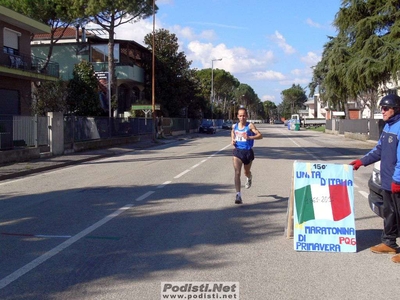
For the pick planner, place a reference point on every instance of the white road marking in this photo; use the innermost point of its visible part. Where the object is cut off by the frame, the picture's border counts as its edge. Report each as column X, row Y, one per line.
column 145, row 195
column 198, row 164
column 164, row 184
column 294, row 142
column 41, row 259
column 181, row 174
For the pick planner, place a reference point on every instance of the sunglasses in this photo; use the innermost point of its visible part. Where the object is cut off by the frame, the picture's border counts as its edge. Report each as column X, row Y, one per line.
column 386, row 108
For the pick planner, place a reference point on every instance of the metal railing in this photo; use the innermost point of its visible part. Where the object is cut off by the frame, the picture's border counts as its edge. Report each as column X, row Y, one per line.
column 23, row 131
column 78, row 129
column 33, row 131
column 29, row 63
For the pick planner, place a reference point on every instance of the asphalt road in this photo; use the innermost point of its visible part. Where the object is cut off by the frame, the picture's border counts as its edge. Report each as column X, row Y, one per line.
column 116, row 228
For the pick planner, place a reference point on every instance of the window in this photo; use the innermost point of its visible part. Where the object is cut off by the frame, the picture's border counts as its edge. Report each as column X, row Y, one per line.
column 11, row 41
column 100, row 53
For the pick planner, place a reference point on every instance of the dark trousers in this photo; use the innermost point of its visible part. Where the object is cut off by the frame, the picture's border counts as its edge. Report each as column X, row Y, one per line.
column 391, row 218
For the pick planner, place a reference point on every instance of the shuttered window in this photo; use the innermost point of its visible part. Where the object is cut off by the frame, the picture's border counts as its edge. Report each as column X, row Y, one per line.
column 11, row 39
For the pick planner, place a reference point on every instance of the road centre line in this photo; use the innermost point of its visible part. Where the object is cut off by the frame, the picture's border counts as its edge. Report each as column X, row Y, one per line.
column 164, row 184
column 364, row 194
column 198, row 164
column 41, row 259
column 294, row 142
column 145, row 195
column 181, row 174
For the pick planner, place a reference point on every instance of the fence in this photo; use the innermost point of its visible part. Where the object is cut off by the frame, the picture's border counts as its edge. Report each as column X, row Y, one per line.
column 23, row 131
column 78, row 129
column 33, row 131
column 371, row 128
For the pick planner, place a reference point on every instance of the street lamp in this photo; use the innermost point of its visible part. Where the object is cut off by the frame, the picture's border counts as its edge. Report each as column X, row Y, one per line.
column 153, row 81
column 212, row 83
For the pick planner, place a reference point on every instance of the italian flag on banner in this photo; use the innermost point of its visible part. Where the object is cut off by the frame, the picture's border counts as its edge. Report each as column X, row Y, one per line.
column 322, row 202
column 316, row 202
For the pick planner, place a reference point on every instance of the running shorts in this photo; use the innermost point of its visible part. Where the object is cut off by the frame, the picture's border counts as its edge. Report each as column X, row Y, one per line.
column 246, row 156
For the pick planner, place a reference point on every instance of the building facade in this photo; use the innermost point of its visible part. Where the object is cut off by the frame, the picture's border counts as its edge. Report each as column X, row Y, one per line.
column 75, row 45
column 314, row 109
column 18, row 68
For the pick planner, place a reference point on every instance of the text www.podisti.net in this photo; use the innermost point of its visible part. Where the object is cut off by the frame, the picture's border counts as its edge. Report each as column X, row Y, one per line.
column 199, row 290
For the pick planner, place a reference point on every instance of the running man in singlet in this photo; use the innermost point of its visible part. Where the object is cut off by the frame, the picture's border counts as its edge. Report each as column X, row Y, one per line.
column 243, row 135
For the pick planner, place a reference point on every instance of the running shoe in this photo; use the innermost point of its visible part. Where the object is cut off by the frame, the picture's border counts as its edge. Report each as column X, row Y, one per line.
column 238, row 200
column 248, row 182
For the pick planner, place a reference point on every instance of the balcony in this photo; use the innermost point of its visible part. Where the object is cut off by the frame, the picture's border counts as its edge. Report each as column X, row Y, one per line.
column 29, row 63
column 122, row 71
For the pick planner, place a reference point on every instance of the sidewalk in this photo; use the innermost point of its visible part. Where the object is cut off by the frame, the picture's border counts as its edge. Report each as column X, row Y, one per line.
column 19, row 169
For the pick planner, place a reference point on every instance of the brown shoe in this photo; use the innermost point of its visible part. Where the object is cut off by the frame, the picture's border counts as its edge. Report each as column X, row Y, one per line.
column 396, row 258
column 382, row 248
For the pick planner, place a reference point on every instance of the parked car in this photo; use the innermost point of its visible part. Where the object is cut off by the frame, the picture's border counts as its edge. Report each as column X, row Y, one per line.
column 207, row 127
column 278, row 122
column 227, row 125
column 375, row 190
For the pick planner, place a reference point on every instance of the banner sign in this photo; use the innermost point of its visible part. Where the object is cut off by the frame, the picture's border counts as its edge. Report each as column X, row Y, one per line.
column 323, row 207
column 103, row 79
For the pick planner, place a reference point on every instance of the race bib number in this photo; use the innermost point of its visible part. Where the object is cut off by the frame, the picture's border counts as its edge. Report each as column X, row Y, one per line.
column 240, row 136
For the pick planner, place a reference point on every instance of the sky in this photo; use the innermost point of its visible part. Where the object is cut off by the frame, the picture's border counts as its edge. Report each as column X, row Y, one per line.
column 269, row 45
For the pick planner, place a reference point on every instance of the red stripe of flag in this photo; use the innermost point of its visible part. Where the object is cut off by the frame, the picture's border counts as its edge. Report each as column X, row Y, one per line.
column 340, row 202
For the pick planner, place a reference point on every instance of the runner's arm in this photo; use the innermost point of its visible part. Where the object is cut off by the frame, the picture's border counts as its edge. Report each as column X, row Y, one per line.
column 257, row 134
column 233, row 142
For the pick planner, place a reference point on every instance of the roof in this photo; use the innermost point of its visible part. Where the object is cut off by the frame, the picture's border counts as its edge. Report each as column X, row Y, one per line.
column 69, row 33
column 308, row 102
column 18, row 20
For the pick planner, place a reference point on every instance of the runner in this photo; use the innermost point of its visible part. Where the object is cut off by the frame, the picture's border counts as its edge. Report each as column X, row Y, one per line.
column 243, row 135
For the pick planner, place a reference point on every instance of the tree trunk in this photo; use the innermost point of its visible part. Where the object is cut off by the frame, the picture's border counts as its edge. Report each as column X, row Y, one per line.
column 111, row 62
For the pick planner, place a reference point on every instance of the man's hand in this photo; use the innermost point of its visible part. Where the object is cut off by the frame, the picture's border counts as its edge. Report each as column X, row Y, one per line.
column 356, row 164
column 395, row 188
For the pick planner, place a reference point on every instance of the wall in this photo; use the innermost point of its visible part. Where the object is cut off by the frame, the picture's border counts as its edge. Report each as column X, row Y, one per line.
column 354, row 114
column 21, row 85
column 24, row 89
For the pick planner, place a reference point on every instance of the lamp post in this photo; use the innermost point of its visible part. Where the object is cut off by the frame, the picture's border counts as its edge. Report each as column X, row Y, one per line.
column 153, row 81
column 212, row 83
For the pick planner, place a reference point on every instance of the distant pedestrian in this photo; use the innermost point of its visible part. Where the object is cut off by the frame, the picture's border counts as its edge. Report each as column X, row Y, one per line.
column 160, row 131
column 388, row 152
column 243, row 135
